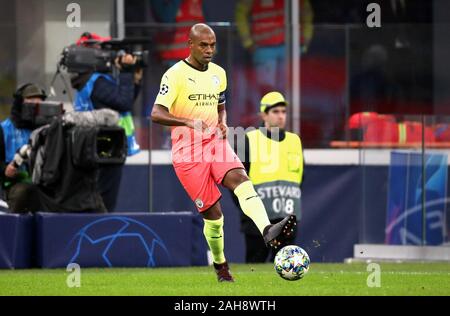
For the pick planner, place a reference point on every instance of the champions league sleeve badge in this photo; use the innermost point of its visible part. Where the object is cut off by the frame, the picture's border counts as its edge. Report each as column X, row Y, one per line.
column 164, row 89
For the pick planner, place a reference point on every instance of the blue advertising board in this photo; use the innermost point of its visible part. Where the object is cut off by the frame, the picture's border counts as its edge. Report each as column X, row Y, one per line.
column 409, row 196
column 119, row 240
column 16, row 241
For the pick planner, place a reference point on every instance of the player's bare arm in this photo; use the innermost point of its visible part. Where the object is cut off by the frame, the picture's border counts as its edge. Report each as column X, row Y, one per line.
column 222, row 124
column 161, row 115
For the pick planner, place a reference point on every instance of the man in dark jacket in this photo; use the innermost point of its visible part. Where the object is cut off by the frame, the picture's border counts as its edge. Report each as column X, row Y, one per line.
column 101, row 90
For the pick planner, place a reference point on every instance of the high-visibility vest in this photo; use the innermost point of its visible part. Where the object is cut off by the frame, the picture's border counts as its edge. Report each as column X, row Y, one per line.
column 268, row 25
column 174, row 46
column 268, row 22
column 14, row 138
column 276, row 170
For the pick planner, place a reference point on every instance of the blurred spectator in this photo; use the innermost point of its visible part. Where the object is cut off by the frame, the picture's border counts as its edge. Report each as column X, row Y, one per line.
column 171, row 42
column 21, row 195
column 371, row 85
column 395, row 74
column 261, row 26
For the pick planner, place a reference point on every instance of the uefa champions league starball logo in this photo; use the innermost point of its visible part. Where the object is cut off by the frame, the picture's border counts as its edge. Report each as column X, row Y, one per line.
column 164, row 89
column 118, row 237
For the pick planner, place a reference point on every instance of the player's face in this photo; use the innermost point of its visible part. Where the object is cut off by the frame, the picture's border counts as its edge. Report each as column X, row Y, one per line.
column 275, row 117
column 203, row 47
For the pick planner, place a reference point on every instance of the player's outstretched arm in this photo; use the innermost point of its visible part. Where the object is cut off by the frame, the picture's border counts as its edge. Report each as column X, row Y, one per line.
column 161, row 115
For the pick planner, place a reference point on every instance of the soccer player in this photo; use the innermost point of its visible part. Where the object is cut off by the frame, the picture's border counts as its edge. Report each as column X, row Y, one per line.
column 192, row 100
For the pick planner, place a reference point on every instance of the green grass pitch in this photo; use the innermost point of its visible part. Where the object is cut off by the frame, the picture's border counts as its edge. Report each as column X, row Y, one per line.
column 251, row 280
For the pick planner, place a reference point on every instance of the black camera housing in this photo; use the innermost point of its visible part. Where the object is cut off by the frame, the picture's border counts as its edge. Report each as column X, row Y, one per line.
column 80, row 59
column 99, row 145
column 41, row 113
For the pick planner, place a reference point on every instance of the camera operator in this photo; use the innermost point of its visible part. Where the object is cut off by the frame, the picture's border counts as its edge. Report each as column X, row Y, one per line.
column 97, row 90
column 21, row 195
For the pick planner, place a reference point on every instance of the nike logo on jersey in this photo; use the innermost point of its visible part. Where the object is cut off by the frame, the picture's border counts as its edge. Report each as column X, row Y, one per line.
column 191, row 80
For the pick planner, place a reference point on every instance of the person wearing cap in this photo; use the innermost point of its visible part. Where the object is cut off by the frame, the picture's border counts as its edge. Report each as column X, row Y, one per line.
column 274, row 162
column 101, row 90
column 21, row 195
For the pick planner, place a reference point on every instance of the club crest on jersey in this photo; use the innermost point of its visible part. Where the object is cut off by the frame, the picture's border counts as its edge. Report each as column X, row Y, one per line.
column 215, row 80
column 164, row 89
column 199, row 203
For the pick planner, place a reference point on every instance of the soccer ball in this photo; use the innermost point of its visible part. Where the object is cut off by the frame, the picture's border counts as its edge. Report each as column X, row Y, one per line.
column 291, row 263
